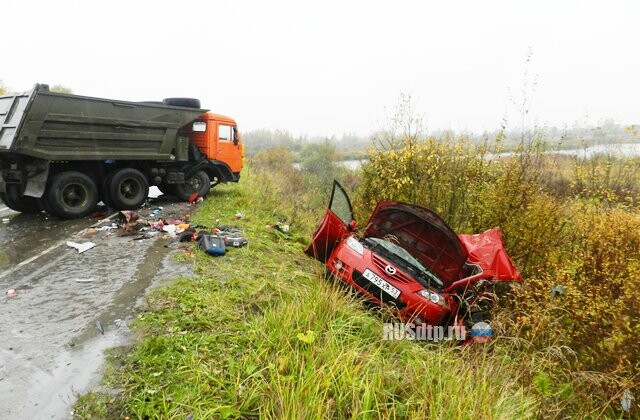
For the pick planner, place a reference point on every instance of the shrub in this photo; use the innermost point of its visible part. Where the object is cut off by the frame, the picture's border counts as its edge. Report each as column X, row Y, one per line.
column 567, row 221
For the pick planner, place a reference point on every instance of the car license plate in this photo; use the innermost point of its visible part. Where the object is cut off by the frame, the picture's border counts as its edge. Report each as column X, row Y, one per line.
column 381, row 283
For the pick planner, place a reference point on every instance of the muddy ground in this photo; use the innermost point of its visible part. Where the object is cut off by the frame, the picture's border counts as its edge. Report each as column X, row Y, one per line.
column 69, row 307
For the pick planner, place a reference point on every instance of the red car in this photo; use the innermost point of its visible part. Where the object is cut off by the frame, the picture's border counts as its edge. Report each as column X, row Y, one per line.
column 408, row 259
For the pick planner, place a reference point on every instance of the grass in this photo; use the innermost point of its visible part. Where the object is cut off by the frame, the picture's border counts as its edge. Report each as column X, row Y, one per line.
column 261, row 333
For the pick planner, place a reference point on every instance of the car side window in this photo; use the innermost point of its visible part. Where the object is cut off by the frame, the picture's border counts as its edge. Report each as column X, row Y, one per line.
column 340, row 204
column 224, row 132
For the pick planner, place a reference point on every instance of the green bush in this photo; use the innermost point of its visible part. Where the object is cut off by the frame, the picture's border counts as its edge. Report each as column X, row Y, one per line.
column 566, row 221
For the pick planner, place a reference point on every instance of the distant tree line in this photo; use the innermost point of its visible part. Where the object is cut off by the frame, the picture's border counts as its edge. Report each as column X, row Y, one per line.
column 349, row 146
column 55, row 88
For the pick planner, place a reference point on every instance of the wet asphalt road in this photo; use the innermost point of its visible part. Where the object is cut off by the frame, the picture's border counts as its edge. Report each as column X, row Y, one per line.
column 51, row 343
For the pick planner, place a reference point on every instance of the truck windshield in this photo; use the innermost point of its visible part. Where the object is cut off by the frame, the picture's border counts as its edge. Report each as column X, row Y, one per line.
column 403, row 259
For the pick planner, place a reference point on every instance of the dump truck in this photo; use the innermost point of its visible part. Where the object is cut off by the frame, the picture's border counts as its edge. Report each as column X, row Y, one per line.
column 65, row 153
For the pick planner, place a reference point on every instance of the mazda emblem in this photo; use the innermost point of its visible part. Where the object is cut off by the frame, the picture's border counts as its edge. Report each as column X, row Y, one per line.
column 390, row 270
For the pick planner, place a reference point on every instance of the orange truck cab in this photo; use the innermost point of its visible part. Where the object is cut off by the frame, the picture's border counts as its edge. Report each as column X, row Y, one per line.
column 217, row 137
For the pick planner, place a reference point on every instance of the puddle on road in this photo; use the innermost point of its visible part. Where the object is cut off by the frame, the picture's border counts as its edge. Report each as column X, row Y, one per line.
column 50, row 347
column 29, row 234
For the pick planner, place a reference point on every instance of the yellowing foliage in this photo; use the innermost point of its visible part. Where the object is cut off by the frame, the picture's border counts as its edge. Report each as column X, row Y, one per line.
column 567, row 221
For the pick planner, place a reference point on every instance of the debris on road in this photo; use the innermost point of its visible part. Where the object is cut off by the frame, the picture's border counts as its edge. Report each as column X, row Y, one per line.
column 211, row 244
column 81, row 247
column 142, row 225
column 11, row 292
column 280, row 228
column 86, row 280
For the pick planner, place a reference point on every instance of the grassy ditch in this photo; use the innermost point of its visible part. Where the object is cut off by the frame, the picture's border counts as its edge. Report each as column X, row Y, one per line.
column 261, row 333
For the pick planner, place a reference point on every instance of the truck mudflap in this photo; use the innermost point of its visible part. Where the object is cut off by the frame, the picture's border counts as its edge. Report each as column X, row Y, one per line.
column 31, row 175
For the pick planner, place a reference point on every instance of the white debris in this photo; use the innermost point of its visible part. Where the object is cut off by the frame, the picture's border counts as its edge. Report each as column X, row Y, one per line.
column 170, row 229
column 81, row 247
column 626, row 400
column 89, row 280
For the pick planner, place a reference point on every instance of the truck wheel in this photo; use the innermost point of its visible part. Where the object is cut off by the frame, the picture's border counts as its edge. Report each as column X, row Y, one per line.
column 184, row 102
column 71, row 195
column 44, row 202
column 198, row 183
column 22, row 203
column 105, row 191
column 128, row 189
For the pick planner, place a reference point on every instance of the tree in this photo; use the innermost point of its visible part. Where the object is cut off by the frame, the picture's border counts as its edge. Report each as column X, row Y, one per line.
column 320, row 160
column 60, row 89
column 404, row 128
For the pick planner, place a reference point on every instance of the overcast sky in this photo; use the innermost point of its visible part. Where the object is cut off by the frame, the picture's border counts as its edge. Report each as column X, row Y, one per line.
column 333, row 67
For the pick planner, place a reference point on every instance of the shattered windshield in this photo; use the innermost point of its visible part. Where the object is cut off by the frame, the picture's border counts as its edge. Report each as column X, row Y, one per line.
column 404, row 259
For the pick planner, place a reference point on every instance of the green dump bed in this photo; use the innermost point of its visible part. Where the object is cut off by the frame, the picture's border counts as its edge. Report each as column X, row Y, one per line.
column 57, row 126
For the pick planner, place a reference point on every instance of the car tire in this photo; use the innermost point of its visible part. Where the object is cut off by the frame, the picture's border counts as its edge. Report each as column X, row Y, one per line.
column 71, row 195
column 128, row 189
column 183, row 102
column 22, row 203
column 198, row 183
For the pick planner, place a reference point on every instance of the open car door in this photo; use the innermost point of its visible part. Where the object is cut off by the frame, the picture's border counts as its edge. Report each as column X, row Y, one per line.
column 334, row 226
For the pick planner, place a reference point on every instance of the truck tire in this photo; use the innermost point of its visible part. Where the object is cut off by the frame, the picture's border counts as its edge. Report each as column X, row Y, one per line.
column 105, row 191
column 44, row 202
column 128, row 189
column 198, row 183
column 71, row 195
column 183, row 102
column 22, row 203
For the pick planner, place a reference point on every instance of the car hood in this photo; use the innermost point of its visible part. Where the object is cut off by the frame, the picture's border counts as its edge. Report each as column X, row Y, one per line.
column 423, row 234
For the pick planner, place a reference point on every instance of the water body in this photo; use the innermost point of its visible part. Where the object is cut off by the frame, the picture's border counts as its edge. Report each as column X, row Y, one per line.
column 616, row 150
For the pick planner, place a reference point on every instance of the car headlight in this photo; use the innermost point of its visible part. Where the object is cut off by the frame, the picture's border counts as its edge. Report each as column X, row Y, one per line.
column 354, row 244
column 433, row 297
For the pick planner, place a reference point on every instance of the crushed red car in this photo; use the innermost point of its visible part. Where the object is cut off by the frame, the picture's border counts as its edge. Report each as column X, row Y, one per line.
column 409, row 260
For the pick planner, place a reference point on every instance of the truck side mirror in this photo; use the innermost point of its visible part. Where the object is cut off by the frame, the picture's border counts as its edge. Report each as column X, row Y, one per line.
column 235, row 136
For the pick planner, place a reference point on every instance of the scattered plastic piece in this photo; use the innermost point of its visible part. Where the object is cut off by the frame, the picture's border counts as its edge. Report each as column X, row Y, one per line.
column 239, row 215
column 89, row 280
column 283, row 228
column 129, row 216
column 154, row 192
column 11, row 292
column 99, row 327
column 193, row 197
column 626, row 400
column 170, row 229
column 558, row 290
column 157, row 225
column 81, row 247
column 6, row 220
